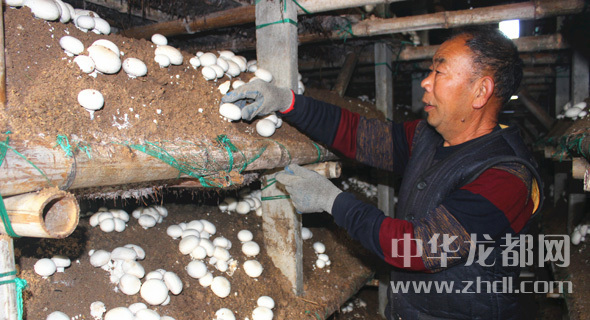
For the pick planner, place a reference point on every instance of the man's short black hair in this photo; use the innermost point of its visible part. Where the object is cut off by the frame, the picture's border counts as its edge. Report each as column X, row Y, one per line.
column 493, row 51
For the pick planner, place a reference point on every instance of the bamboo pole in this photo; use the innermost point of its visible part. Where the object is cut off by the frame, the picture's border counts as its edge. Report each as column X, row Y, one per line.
column 49, row 213
column 117, row 164
column 8, row 301
column 235, row 16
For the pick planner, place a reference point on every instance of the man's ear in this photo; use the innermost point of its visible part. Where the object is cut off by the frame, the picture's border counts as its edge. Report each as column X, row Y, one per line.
column 484, row 92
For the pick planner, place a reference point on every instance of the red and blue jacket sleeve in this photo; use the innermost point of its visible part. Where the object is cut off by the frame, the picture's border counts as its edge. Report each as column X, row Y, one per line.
column 380, row 144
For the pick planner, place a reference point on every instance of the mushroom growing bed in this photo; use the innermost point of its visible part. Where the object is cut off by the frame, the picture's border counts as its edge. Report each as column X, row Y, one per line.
column 81, row 284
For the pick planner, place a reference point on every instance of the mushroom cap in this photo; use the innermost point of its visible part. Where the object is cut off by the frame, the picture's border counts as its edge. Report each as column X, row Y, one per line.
column 208, row 59
column 162, row 59
column 265, row 301
column 159, row 39
column 45, row 267
column 44, row 9
column 106, row 60
column 221, row 286
column 65, row 15
column 101, row 26
column 147, row 314
column 154, row 291
column 230, row 111
column 263, row 74
column 224, row 314
column 262, row 313
column 58, row 315
column 172, row 53
column 250, row 248
column 134, row 67
column 208, row 226
column 61, row 261
column 129, row 284
column 85, row 63
column 173, row 282
column 84, row 23
column 71, row 45
column 196, row 269
column 319, row 247
column 107, row 44
column 99, row 258
column 119, row 313
column 253, row 268
column 123, row 253
column 245, row 235
column 265, row 127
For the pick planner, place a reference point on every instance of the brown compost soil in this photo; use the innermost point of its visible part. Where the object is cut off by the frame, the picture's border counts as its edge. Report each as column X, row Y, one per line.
column 42, row 88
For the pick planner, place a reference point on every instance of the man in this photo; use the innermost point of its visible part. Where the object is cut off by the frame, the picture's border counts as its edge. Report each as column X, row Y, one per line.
column 469, row 185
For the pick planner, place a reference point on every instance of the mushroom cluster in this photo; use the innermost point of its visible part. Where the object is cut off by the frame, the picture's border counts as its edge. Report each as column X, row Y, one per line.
column 368, row 189
column 46, row 267
column 574, row 112
column 110, row 220
column 134, row 311
column 579, row 233
column 248, row 201
column 350, row 305
column 323, row 259
column 148, row 217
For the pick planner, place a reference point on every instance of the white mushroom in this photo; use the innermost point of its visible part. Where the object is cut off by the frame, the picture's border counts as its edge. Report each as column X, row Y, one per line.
column 195, row 62
column 238, row 83
column 172, row 53
column 97, row 309
column 61, row 262
column 162, row 60
column 123, row 253
column 84, row 23
column 245, row 236
column 226, row 54
column 243, row 207
column 154, row 291
column 208, row 59
column 58, row 315
column 173, row 282
column 218, row 71
column 72, row 46
column 265, row 301
column 224, row 87
column 120, row 313
column 174, row 231
column 188, row 244
column 240, row 61
column 147, row 314
column 319, row 247
column 250, row 248
column 129, row 284
column 231, row 112
column 85, row 63
column 43, row 9
column 91, row 100
column 224, row 314
column 263, row 74
column 206, row 280
column 99, row 258
column 220, row 286
column 105, row 59
column 306, row 233
column 45, row 267
column 101, row 26
column 262, row 313
column 233, row 70
column 253, row 268
column 209, row 73
column 159, row 39
column 107, row 44
column 265, row 127
column 135, row 307
column 208, row 226
column 196, row 269
column 134, row 67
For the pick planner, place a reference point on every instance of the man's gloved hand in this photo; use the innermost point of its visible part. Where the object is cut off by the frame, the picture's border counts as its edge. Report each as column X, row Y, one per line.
column 259, row 98
column 310, row 192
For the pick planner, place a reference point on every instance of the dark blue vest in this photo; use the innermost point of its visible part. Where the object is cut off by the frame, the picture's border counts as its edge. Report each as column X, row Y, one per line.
column 424, row 186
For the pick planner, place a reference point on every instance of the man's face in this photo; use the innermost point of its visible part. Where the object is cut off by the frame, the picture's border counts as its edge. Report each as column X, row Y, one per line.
column 449, row 88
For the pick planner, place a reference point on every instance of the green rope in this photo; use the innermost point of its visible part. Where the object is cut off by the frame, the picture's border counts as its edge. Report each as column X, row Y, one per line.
column 344, row 31
column 302, row 8
column 319, row 152
column 6, row 220
column 272, row 181
column 247, row 163
column 280, row 196
column 64, row 143
column 161, row 154
column 20, row 285
column 230, row 147
column 282, row 146
column 4, row 145
column 291, row 21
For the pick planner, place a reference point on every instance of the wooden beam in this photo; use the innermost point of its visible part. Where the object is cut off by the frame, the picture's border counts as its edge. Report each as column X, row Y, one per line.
column 441, row 20
column 534, row 107
column 346, row 73
column 524, row 44
column 114, row 164
column 2, row 63
column 235, row 16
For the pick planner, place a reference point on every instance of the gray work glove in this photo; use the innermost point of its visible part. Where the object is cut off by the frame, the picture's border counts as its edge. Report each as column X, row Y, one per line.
column 259, row 98
column 310, row 192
